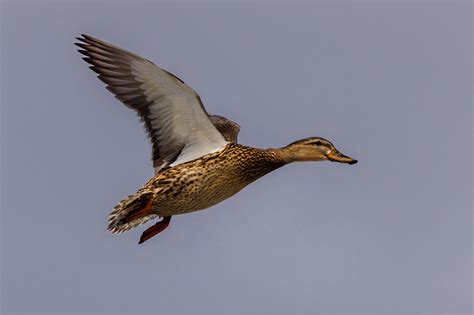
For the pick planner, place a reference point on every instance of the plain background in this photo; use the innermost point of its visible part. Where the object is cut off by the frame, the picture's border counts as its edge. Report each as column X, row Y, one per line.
column 390, row 83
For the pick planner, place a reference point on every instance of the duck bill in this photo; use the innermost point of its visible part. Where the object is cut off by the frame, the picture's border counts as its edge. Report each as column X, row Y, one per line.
column 337, row 156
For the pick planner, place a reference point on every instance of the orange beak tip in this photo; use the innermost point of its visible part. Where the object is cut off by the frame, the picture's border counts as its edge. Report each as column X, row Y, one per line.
column 341, row 158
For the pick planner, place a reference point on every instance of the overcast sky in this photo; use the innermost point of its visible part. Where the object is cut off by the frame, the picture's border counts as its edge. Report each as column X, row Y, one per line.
column 389, row 83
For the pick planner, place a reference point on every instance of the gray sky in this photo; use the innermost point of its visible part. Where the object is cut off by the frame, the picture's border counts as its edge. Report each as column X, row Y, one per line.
column 389, row 83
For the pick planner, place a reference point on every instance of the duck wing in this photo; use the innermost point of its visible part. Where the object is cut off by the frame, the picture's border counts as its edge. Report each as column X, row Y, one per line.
column 175, row 119
column 228, row 128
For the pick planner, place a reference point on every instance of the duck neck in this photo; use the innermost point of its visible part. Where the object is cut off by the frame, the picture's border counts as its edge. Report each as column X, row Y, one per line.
column 252, row 163
column 285, row 154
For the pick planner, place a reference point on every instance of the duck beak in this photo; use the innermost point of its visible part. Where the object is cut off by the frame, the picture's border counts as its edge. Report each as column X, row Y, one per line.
column 337, row 156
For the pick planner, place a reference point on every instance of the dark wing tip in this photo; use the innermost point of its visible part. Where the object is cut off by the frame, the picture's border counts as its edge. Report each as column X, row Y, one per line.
column 82, row 38
column 87, row 40
column 86, row 37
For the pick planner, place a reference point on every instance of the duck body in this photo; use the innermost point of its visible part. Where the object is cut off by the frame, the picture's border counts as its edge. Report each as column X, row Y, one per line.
column 198, row 184
column 204, row 182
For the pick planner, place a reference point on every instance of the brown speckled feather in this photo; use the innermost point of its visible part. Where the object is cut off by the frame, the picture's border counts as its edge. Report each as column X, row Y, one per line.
column 201, row 183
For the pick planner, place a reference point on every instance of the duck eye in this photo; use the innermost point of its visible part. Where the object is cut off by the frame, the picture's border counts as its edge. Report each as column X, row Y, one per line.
column 318, row 142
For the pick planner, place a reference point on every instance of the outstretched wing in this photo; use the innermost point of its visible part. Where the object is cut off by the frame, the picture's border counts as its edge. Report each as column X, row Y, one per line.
column 174, row 116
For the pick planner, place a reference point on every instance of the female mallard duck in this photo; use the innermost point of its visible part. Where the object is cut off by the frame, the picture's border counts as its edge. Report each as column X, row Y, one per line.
column 197, row 160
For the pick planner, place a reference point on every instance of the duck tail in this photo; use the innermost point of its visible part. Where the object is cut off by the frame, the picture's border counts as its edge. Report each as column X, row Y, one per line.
column 131, row 212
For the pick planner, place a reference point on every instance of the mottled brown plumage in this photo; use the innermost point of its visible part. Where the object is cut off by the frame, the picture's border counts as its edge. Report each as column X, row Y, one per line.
column 202, row 183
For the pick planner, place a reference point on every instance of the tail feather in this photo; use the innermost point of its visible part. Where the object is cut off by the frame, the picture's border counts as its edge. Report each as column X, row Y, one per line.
column 131, row 212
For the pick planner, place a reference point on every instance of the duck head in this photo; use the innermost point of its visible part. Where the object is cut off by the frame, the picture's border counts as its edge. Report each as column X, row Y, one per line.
column 314, row 149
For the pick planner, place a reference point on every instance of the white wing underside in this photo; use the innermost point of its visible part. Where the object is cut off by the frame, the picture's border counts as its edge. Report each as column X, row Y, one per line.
column 177, row 113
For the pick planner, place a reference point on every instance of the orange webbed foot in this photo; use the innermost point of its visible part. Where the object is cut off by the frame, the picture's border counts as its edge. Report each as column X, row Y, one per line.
column 155, row 229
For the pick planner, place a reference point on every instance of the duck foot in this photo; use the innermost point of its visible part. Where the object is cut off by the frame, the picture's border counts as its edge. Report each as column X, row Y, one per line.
column 155, row 229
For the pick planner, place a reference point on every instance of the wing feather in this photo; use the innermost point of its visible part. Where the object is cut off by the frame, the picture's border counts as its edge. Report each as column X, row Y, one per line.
column 175, row 119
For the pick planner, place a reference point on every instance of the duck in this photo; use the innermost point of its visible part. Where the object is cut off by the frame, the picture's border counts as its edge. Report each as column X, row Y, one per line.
column 196, row 157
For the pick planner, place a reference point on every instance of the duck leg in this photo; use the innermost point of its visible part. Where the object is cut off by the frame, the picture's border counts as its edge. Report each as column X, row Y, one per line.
column 155, row 229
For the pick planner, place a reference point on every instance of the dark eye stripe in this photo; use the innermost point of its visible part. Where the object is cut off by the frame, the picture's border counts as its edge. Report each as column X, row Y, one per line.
column 324, row 144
